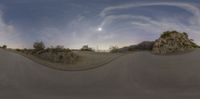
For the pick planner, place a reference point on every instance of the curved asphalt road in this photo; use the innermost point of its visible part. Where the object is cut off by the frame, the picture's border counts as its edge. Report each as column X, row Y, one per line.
column 133, row 76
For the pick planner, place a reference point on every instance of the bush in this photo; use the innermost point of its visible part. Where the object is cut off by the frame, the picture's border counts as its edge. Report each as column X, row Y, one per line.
column 86, row 48
column 114, row 49
column 58, row 48
column 39, row 46
column 195, row 45
column 4, row 46
column 18, row 50
column 58, row 56
column 185, row 34
column 168, row 33
column 53, row 54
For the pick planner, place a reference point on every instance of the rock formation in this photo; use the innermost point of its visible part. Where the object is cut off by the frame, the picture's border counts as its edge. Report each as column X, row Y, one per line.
column 172, row 41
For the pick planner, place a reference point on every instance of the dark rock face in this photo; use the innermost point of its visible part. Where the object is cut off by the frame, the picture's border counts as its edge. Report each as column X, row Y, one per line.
column 172, row 41
column 145, row 45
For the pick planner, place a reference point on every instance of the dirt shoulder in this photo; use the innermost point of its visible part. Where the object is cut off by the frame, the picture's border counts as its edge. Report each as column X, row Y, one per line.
column 86, row 61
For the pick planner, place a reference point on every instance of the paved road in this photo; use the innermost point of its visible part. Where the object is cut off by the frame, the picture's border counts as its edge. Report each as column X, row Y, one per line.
column 133, row 76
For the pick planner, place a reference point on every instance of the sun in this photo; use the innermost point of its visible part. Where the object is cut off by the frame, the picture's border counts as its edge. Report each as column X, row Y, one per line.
column 99, row 29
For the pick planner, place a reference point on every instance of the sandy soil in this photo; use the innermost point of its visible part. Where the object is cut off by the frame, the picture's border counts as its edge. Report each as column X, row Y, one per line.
column 133, row 76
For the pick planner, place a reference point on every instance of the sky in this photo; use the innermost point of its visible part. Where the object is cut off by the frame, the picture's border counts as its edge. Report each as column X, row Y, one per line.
column 97, row 23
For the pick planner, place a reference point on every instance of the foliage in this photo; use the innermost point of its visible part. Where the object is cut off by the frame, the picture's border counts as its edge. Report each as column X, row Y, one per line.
column 114, row 49
column 56, row 49
column 167, row 34
column 86, row 48
column 39, row 46
column 4, row 46
column 18, row 50
column 56, row 54
column 195, row 45
column 185, row 34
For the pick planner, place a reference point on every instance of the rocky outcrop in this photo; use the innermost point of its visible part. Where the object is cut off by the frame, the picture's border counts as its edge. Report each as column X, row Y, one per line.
column 172, row 41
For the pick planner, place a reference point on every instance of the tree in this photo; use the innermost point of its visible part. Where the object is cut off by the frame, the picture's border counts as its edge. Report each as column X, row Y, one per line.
column 4, row 46
column 39, row 46
column 114, row 49
column 86, row 48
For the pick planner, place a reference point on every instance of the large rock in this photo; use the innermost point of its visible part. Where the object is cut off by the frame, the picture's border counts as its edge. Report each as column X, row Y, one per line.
column 172, row 41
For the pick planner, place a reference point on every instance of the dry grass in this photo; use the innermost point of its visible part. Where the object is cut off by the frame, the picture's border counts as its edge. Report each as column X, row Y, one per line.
column 87, row 60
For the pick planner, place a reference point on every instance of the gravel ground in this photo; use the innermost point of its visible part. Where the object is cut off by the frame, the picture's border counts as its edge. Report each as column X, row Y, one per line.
column 139, row 75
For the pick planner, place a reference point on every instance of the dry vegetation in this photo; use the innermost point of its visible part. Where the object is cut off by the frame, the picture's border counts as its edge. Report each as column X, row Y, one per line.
column 56, row 54
column 65, row 59
column 86, row 60
column 61, row 58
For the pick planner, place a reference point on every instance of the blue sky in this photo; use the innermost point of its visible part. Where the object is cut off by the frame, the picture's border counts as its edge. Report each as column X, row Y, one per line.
column 97, row 23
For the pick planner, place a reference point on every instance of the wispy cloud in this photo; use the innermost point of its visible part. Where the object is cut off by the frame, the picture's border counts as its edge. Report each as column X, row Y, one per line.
column 146, row 23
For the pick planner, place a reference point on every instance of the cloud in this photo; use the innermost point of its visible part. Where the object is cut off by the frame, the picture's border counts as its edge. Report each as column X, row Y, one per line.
column 145, row 23
column 109, row 19
column 8, row 34
column 186, row 6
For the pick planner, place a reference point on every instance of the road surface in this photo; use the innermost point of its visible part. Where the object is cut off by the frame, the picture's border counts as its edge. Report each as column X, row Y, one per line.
column 140, row 75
